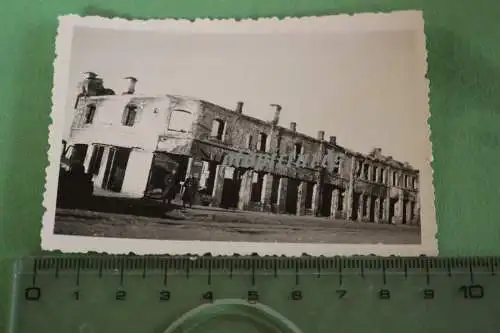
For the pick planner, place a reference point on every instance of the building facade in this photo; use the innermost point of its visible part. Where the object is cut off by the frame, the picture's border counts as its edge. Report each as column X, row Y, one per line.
column 130, row 143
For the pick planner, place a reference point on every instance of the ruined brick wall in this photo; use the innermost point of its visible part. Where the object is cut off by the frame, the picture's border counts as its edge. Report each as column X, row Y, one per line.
column 238, row 128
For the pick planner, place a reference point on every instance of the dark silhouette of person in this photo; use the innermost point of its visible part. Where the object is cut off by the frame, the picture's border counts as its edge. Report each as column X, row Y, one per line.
column 188, row 189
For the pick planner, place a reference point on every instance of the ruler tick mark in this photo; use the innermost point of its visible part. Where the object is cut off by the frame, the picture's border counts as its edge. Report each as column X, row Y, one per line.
column 209, row 273
column 340, row 274
column 78, row 272
column 427, row 275
column 100, row 268
column 492, row 266
column 57, row 268
column 34, row 272
column 253, row 274
column 384, row 276
column 275, row 269
column 121, row 272
column 187, row 269
column 471, row 273
column 165, row 275
column 144, row 271
column 362, row 271
column 297, row 274
column 230, row 269
column 406, row 270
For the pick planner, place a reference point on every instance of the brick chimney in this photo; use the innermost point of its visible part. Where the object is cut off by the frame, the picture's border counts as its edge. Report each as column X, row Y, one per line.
column 293, row 126
column 321, row 135
column 277, row 111
column 239, row 107
column 131, row 86
column 333, row 140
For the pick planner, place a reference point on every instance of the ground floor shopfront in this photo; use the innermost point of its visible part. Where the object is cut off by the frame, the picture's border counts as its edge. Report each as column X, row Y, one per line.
column 134, row 172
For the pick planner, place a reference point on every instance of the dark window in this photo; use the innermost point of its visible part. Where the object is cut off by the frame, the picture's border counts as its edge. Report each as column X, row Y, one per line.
column 257, row 184
column 90, row 113
column 262, row 144
column 297, row 150
column 217, row 129
column 96, row 159
column 309, row 195
column 336, row 167
column 249, row 142
column 129, row 115
column 78, row 153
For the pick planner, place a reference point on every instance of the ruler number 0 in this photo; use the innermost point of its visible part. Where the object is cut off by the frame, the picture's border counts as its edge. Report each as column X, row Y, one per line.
column 472, row 291
column 32, row 293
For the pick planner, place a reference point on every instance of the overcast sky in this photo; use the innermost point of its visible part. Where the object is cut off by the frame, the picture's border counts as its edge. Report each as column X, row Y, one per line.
column 356, row 86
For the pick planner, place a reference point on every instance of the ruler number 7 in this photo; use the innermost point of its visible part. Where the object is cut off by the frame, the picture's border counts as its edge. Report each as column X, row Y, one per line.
column 341, row 293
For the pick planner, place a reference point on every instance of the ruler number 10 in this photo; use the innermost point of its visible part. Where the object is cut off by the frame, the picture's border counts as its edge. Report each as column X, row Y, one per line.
column 472, row 291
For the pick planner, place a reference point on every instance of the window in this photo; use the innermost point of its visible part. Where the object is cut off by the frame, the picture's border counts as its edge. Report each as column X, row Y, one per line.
column 96, row 159
column 78, row 153
column 336, row 167
column 90, row 113
column 180, row 121
column 366, row 168
column 129, row 115
column 297, row 150
column 406, row 181
column 249, row 141
column 394, row 178
column 359, row 169
column 217, row 129
column 262, row 144
column 374, row 174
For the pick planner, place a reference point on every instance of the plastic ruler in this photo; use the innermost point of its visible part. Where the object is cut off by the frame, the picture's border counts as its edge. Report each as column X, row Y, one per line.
column 255, row 294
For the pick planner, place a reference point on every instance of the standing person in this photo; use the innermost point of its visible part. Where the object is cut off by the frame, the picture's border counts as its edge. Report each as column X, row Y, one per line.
column 171, row 187
column 188, row 192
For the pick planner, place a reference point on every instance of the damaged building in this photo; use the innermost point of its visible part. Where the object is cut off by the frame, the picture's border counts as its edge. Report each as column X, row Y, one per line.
column 130, row 143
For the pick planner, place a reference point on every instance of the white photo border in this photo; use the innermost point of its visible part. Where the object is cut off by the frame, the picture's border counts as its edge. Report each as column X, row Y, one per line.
column 402, row 20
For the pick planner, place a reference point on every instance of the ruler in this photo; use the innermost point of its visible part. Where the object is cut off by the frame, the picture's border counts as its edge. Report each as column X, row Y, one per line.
column 122, row 294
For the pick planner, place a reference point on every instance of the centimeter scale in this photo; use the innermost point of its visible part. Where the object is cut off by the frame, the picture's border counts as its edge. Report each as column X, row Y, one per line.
column 123, row 294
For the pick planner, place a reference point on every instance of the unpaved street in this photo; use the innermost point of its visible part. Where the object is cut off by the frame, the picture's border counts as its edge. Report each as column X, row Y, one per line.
column 203, row 223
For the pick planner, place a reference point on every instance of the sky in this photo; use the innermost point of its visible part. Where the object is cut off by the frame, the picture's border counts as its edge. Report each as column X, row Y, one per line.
column 357, row 86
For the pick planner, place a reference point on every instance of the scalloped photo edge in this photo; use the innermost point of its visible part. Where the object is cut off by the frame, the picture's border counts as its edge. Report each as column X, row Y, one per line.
column 114, row 149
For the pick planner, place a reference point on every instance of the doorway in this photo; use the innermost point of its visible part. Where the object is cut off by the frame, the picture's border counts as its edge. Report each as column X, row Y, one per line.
column 116, row 165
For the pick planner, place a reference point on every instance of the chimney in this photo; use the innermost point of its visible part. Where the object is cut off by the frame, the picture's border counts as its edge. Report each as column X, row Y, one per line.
column 293, row 126
column 131, row 86
column 239, row 107
column 277, row 111
column 333, row 140
column 321, row 135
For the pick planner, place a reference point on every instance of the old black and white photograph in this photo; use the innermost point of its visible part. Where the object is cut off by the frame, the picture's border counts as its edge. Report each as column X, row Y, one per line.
column 301, row 135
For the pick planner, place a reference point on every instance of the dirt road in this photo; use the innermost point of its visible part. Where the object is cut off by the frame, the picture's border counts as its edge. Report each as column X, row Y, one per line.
column 203, row 223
